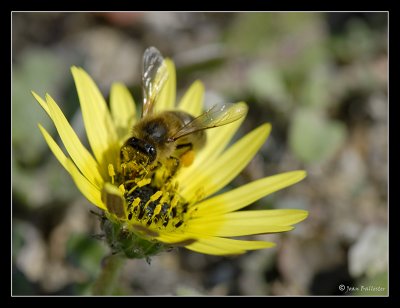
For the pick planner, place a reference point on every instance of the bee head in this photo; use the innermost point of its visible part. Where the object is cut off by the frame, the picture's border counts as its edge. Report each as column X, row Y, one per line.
column 139, row 150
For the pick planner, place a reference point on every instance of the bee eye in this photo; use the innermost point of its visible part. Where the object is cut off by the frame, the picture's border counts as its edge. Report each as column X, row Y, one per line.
column 151, row 151
column 133, row 142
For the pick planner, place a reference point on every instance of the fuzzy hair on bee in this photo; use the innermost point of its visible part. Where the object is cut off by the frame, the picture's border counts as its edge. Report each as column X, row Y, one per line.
column 168, row 138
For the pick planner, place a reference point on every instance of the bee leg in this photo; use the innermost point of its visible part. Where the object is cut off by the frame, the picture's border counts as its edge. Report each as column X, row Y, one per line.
column 100, row 215
column 174, row 164
column 99, row 237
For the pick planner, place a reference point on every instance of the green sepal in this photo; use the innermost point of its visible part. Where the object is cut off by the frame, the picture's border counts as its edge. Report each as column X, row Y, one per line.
column 122, row 239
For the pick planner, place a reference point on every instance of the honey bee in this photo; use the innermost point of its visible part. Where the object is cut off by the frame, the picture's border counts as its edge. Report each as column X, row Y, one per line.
column 169, row 138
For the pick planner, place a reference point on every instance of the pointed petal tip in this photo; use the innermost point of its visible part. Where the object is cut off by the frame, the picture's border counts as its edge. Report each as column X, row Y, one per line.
column 193, row 98
column 289, row 228
column 48, row 97
column 40, row 127
column 100, row 128
column 303, row 173
column 75, row 68
column 300, row 215
column 303, row 214
column 199, row 83
column 171, row 68
column 266, row 244
column 41, row 102
column 117, row 85
column 271, row 244
column 169, row 61
column 34, row 94
column 199, row 86
column 267, row 126
column 244, row 104
column 264, row 130
column 298, row 175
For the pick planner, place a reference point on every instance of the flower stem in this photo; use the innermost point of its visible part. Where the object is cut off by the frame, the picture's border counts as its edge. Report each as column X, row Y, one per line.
column 106, row 282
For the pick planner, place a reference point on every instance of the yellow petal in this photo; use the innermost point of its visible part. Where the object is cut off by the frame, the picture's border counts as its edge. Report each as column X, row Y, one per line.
column 213, row 177
column 223, row 246
column 99, row 126
column 217, row 140
column 87, row 189
column 279, row 217
column 240, row 197
column 247, row 222
column 220, row 229
column 58, row 153
column 167, row 96
column 79, row 154
column 192, row 100
column 175, row 238
column 42, row 103
column 123, row 110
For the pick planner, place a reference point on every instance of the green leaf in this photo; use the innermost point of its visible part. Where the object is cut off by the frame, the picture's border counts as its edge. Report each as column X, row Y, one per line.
column 313, row 138
column 38, row 70
column 266, row 83
column 316, row 90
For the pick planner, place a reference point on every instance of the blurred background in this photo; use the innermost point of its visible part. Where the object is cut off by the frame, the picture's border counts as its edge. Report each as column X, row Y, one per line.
column 319, row 78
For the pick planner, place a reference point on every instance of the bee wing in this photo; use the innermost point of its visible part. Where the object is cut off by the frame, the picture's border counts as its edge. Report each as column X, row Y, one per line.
column 217, row 115
column 154, row 75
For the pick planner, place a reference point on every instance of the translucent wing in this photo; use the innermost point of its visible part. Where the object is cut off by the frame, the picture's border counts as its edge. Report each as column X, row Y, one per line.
column 217, row 115
column 154, row 75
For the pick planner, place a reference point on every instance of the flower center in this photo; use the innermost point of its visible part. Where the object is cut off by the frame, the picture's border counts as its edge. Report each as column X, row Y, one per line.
column 152, row 200
column 158, row 207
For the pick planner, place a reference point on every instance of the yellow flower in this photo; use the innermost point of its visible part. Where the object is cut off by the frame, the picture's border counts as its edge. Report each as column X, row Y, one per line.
column 182, row 212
